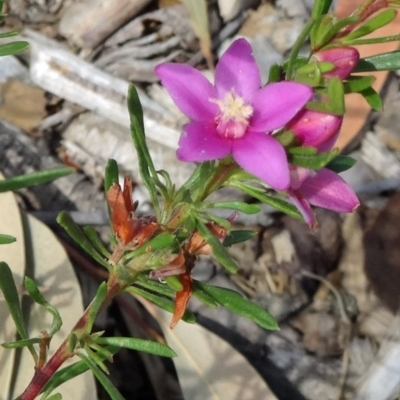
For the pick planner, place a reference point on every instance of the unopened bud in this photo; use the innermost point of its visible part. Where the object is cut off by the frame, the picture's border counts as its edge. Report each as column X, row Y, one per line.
column 316, row 129
column 344, row 59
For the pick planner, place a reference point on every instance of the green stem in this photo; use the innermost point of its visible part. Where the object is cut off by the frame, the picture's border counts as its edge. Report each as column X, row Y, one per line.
column 220, row 176
column 297, row 47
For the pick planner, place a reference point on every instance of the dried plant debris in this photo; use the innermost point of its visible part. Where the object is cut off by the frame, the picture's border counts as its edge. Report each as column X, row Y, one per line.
column 37, row 11
column 87, row 24
column 148, row 40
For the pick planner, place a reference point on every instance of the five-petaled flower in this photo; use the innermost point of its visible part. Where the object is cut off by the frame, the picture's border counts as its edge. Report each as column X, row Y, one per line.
column 236, row 115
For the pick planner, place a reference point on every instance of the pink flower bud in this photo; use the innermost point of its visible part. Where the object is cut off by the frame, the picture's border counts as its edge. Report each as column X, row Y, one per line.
column 345, row 60
column 316, row 129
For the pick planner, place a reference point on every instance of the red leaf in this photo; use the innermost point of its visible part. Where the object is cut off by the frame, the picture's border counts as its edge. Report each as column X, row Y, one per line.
column 121, row 206
column 182, row 298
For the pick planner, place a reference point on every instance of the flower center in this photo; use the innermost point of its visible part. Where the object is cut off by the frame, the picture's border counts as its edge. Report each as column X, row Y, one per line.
column 233, row 119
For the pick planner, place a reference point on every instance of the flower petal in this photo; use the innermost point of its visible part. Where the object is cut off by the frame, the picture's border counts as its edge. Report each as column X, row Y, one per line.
column 200, row 142
column 328, row 190
column 304, row 207
column 264, row 157
column 277, row 103
column 297, row 176
column 237, row 69
column 190, row 90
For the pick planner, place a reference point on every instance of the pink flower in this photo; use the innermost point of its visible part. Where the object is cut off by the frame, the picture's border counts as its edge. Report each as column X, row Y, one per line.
column 345, row 59
column 323, row 188
column 235, row 116
column 316, row 129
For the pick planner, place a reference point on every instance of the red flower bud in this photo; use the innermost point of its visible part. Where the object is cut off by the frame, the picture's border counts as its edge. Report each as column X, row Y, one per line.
column 344, row 59
column 316, row 129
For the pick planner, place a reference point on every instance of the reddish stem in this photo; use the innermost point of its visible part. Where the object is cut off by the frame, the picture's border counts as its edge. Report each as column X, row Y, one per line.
column 43, row 374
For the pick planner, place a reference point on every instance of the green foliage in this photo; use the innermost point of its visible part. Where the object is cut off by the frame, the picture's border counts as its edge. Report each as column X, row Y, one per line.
column 111, row 174
column 163, row 302
column 34, row 178
column 234, row 302
column 101, row 377
column 148, row 346
column 373, row 98
column 146, row 166
column 7, row 239
column 238, row 206
column 10, row 292
column 380, row 62
column 219, row 251
column 341, row 163
column 371, row 25
column 310, row 160
column 238, row 237
column 34, row 292
column 70, row 372
column 96, row 306
column 65, row 220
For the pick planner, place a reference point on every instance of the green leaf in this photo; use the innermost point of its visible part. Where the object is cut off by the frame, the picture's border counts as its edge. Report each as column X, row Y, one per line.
column 95, row 306
column 234, row 302
column 93, row 236
column 8, row 34
column 297, row 47
column 161, row 241
column 313, row 161
column 154, row 285
column 174, row 283
column 21, row 343
column 219, row 251
column 320, row 7
column 9, row 49
column 146, row 166
column 238, row 206
column 203, row 296
column 164, row 303
column 7, row 285
column 329, row 34
column 70, row 372
column 238, row 237
column 372, row 98
column 274, row 73
column 111, row 175
column 10, row 292
column 65, row 220
column 372, row 25
column 102, row 378
column 148, row 346
column 96, row 358
column 34, row 292
column 55, row 396
column 34, row 178
column 380, row 62
column 336, row 96
column 285, row 138
column 341, row 163
column 356, row 84
column 279, row 204
column 303, row 151
column 7, row 239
